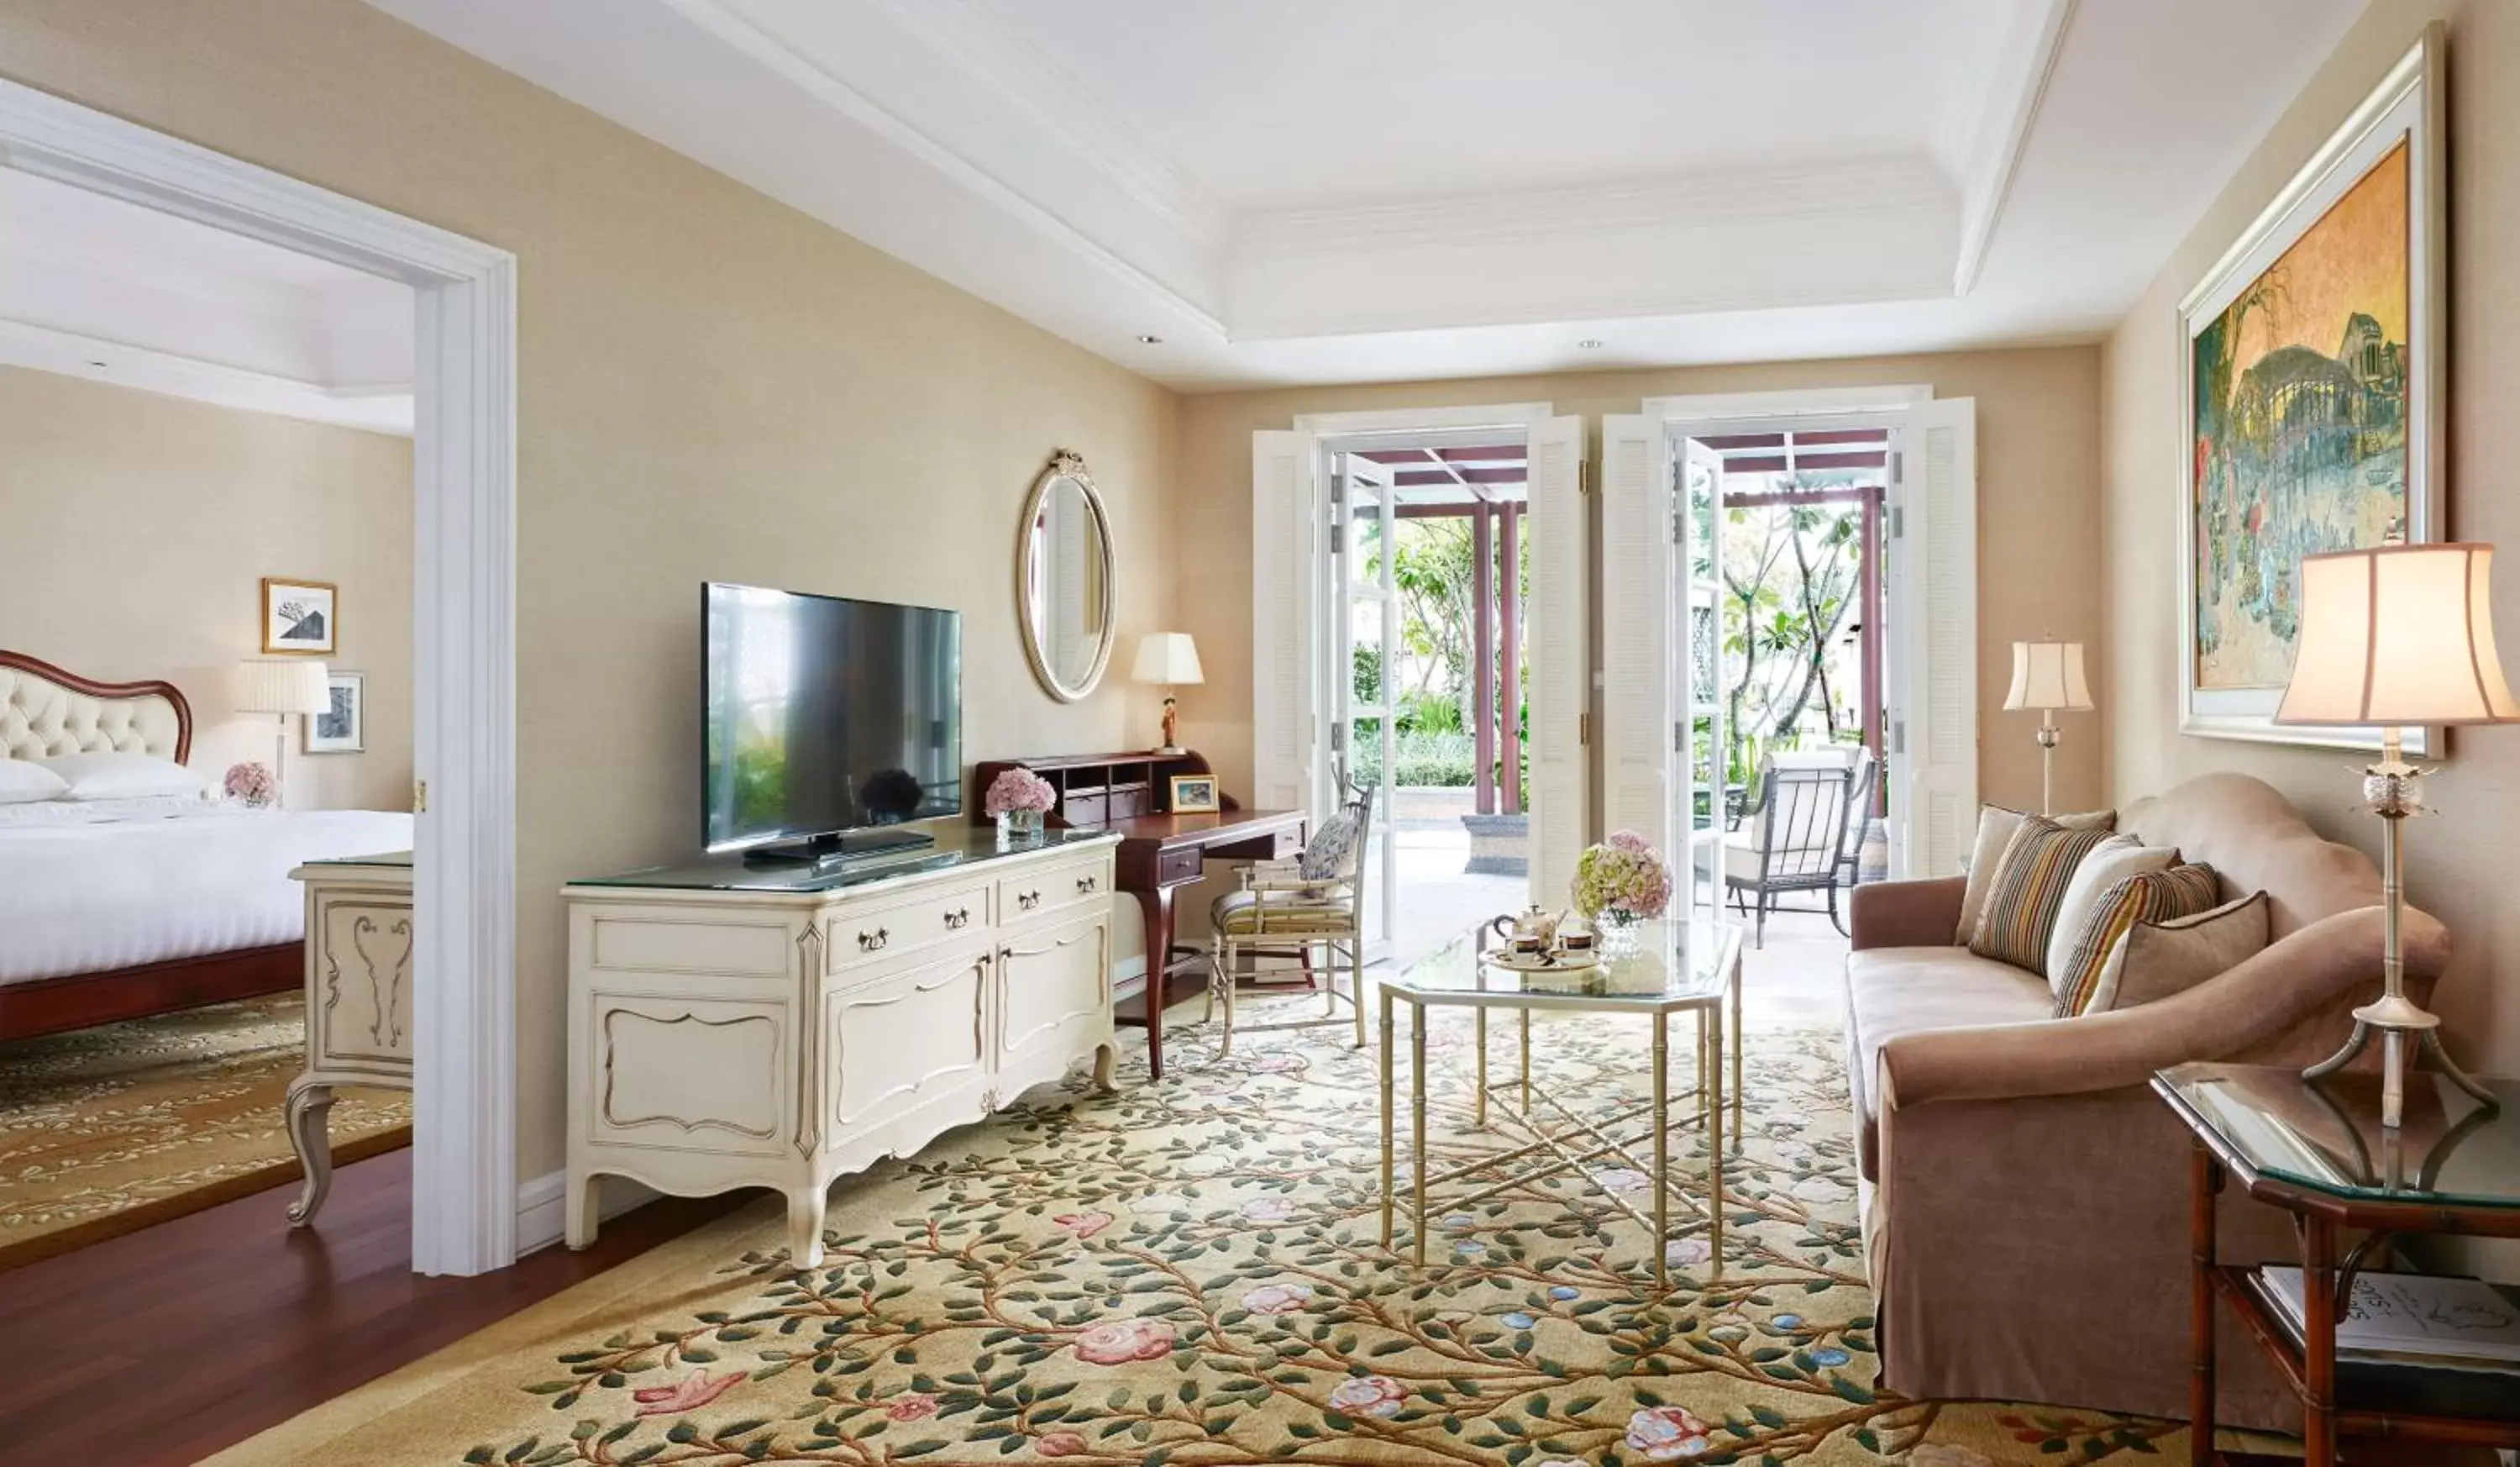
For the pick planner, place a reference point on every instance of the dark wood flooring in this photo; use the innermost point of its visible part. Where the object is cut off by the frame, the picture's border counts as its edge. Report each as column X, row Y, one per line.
column 169, row 1344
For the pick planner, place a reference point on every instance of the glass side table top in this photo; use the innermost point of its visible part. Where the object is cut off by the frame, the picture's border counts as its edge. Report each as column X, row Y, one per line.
column 2328, row 1137
column 1675, row 964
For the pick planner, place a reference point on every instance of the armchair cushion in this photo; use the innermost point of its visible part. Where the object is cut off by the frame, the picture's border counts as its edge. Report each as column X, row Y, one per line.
column 1326, row 854
column 1326, row 911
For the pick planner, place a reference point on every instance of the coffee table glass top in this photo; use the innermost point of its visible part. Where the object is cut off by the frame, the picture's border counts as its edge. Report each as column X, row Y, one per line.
column 2328, row 1137
column 1675, row 964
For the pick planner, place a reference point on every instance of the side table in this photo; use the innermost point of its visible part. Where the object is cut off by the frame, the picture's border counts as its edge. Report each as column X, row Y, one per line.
column 2318, row 1152
column 358, row 1001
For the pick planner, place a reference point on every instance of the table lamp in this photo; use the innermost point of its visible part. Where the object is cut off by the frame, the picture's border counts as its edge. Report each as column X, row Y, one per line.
column 1170, row 660
column 2392, row 637
column 280, row 685
column 2049, row 676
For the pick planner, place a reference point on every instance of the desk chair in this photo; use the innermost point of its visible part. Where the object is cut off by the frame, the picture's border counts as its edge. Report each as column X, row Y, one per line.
column 1290, row 910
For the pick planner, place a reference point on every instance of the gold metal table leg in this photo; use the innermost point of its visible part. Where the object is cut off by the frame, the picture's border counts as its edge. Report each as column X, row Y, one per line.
column 1662, row 1149
column 1738, row 1035
column 1387, row 1078
column 1479, row 1104
column 1715, row 1150
column 1418, row 1124
column 1525, row 1017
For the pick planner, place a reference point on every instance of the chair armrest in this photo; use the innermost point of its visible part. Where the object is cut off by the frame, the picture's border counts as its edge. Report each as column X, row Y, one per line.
column 1285, row 873
column 1907, row 913
column 2305, row 980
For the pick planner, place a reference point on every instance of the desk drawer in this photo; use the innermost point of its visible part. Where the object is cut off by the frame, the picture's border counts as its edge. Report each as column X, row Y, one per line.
column 1173, row 868
column 860, row 938
column 1033, row 894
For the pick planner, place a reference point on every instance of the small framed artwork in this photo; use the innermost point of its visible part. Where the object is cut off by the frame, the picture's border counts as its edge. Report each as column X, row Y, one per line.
column 342, row 728
column 300, row 615
column 1195, row 794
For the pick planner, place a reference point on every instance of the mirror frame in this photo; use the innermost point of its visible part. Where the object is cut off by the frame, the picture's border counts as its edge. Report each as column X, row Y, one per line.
column 1069, row 466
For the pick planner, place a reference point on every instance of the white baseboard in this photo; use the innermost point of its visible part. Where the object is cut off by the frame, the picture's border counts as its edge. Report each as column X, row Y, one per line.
column 542, row 1209
column 1127, row 969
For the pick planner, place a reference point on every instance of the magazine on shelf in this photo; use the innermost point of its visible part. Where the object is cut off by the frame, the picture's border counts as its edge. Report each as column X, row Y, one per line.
column 2414, row 1318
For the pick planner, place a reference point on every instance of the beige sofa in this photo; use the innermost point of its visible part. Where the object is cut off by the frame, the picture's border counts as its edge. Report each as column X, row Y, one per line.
column 2026, row 1195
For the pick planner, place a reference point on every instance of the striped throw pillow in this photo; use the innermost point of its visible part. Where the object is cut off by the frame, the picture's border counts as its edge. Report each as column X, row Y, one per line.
column 2027, row 887
column 2153, row 896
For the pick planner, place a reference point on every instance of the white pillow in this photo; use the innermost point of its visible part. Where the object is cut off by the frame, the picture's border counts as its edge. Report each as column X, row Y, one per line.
column 122, row 776
column 23, row 782
column 2111, row 861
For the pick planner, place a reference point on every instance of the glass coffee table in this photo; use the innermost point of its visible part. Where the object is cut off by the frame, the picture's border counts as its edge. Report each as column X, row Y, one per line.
column 1672, row 967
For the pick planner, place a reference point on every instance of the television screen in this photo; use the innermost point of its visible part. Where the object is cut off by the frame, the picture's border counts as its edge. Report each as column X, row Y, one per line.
column 826, row 715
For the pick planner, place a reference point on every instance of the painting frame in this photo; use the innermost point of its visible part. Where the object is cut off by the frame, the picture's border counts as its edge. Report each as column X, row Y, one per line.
column 1194, row 794
column 2405, row 110
column 345, row 728
column 279, row 631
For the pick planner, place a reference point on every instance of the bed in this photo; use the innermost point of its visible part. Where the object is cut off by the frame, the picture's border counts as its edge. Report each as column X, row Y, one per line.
column 123, row 908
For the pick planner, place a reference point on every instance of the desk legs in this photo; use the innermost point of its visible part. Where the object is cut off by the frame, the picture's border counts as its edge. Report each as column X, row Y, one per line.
column 2319, row 1342
column 1158, row 908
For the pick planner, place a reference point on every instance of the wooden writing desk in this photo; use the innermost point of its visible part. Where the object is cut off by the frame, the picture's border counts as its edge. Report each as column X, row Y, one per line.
column 1160, row 851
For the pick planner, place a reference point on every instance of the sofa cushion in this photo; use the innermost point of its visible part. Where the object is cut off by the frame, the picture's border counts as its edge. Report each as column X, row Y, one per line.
column 2157, row 959
column 2029, row 885
column 1996, row 825
column 2148, row 897
column 1892, row 991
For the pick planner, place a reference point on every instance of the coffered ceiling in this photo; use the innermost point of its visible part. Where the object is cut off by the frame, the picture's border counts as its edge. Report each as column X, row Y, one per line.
column 1351, row 189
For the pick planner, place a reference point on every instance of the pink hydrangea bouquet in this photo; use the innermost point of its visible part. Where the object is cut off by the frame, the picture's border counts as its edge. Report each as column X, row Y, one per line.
column 253, row 784
column 1623, row 877
column 1019, row 789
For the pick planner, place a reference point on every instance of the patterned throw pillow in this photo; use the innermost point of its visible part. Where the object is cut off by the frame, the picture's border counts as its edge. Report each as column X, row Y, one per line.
column 2151, row 897
column 1996, row 825
column 1326, row 855
column 2025, row 889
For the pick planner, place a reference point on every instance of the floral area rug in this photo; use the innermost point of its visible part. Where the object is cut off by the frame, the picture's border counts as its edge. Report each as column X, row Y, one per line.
column 108, row 1130
column 1191, row 1273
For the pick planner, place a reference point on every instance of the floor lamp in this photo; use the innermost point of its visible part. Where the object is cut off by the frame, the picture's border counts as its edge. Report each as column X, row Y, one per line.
column 280, row 685
column 2049, row 676
column 2395, row 637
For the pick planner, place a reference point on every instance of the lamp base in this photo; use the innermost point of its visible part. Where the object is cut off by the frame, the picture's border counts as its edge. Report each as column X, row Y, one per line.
column 2395, row 1018
column 1169, row 750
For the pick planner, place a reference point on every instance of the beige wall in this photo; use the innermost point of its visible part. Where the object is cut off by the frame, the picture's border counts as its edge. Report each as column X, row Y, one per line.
column 137, row 533
column 2460, row 858
column 710, row 385
column 2037, row 520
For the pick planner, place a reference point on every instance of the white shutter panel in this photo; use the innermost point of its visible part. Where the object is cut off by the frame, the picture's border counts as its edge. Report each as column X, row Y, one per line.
column 1934, row 736
column 1285, row 510
column 1639, row 626
column 1561, row 668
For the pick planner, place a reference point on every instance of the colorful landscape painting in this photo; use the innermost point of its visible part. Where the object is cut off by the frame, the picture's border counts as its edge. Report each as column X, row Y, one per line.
column 2300, row 440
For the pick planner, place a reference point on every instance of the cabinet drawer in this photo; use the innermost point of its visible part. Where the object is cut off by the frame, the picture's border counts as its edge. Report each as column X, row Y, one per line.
column 861, row 938
column 1021, row 899
column 1173, row 868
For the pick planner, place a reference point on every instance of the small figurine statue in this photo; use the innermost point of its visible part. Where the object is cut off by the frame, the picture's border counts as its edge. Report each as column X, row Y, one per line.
column 1171, row 714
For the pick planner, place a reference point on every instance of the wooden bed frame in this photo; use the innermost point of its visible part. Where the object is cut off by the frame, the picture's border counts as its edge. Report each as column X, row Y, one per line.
column 53, row 1005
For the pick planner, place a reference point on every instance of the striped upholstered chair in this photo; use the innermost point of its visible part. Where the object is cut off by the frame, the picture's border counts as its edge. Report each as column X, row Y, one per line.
column 1307, row 909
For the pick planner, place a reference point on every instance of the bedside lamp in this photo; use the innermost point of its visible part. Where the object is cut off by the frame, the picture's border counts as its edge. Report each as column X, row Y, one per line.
column 280, row 685
column 2396, row 635
column 1169, row 660
column 2049, row 676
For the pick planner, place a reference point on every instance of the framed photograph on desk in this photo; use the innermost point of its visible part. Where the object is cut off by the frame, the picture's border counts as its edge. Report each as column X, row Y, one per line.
column 1194, row 794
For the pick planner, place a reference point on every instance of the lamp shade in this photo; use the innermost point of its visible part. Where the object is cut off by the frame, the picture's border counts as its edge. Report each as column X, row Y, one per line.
column 2049, row 675
column 280, row 685
column 2396, row 635
column 1169, row 657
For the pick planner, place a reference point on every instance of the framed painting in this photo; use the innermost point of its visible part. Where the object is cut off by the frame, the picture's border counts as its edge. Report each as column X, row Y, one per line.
column 343, row 727
column 298, row 615
column 2313, row 358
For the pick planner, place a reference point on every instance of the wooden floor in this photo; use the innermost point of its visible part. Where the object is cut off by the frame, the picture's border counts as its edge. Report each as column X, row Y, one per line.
column 181, row 1338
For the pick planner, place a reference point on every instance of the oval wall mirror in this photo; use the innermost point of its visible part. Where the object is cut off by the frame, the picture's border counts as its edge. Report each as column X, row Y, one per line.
column 1064, row 579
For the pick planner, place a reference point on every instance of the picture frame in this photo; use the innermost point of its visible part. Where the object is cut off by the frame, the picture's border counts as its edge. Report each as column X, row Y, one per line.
column 2299, row 332
column 342, row 729
column 1195, row 794
column 300, row 618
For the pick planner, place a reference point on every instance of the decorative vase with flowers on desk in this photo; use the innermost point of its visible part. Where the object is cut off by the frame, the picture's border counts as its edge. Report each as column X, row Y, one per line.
column 1019, row 801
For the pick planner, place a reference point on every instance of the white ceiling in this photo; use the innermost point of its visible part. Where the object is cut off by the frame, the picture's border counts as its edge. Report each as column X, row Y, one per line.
column 94, row 287
column 1326, row 190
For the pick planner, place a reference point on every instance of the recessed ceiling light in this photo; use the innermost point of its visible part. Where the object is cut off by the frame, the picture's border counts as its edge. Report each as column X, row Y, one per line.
column 1149, row 338
column 1588, row 344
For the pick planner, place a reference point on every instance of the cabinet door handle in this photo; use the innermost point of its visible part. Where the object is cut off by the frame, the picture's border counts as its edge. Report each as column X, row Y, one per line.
column 958, row 918
column 1027, row 900
column 870, row 942
column 1085, row 884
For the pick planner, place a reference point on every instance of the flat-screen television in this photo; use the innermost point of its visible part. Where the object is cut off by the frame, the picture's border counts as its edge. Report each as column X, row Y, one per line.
column 827, row 721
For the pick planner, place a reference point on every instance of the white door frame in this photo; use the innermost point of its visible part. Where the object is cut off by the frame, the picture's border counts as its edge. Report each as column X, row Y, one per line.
column 464, row 1100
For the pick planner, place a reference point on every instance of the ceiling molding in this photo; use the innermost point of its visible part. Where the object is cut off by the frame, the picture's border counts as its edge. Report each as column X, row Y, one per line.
column 1989, row 160
column 377, row 407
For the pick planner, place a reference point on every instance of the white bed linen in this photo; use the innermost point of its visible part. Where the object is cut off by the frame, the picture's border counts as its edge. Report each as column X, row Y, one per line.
column 93, row 887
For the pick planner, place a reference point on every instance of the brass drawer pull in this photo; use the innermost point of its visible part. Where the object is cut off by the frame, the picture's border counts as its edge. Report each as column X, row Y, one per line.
column 1085, row 884
column 871, row 942
column 1027, row 900
column 958, row 918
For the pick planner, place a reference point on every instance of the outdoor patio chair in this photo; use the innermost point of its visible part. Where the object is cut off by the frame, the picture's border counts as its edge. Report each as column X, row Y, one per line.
column 1859, row 812
column 1308, row 909
column 1795, row 837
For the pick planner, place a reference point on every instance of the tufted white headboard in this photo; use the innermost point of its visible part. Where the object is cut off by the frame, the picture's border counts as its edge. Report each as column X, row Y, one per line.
column 46, row 711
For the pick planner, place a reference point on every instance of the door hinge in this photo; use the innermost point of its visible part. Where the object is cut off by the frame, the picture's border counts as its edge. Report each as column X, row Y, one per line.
column 1678, row 737
column 419, row 797
column 1678, row 527
column 1339, row 737
column 1898, row 522
column 1338, row 537
column 1584, row 729
column 1897, row 736
column 1898, row 466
